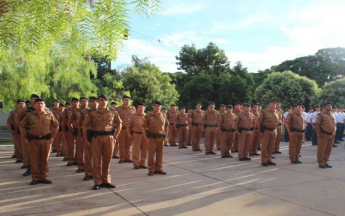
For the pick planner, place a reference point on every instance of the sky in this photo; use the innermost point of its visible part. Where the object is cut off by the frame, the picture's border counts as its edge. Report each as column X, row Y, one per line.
column 260, row 34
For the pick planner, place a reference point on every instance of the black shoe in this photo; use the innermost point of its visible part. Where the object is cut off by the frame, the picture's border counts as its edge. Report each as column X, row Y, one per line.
column 136, row 167
column 194, row 150
column 227, row 156
column 173, row 145
column 87, row 178
column 264, row 164
column 121, row 161
column 23, row 167
column 188, row 144
column 150, row 174
column 69, row 164
column 251, row 154
column 322, row 166
column 116, row 157
column 166, row 144
column 299, row 161
column 160, row 172
column 108, row 185
column 278, row 152
column 199, row 150
column 80, row 170
column 27, row 173
column 185, row 147
column 96, row 187
column 75, row 164
column 47, row 181
column 19, row 161
column 218, row 149
column 334, row 146
column 241, row 159
column 271, row 163
column 214, row 153
column 273, row 157
column 207, row 153
column 143, row 167
column 128, row 161
column 328, row 166
column 65, row 159
column 34, row 182
column 294, row 162
column 58, row 155
column 247, row 158
column 256, row 154
column 13, row 156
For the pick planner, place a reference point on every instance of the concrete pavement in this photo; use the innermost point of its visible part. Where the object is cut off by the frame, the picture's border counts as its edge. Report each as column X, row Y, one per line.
column 196, row 184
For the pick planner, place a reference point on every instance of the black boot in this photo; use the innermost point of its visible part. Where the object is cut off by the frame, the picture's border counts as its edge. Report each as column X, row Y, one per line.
column 28, row 171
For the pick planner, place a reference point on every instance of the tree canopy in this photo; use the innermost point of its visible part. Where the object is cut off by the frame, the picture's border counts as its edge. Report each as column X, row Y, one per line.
column 332, row 91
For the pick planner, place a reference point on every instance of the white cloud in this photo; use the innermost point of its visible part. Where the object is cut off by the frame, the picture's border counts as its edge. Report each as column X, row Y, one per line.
column 253, row 19
column 184, row 7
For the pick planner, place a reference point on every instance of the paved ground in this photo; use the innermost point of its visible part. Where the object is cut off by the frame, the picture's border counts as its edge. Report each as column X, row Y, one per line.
column 196, row 184
column 5, row 135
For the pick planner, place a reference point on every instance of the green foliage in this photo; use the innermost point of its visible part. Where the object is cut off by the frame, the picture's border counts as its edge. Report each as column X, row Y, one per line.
column 288, row 87
column 332, row 91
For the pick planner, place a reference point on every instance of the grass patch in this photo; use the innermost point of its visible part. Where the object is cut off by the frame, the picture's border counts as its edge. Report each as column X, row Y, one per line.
column 6, row 143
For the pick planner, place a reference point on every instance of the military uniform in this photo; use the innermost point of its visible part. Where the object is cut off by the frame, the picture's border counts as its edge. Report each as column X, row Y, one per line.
column 236, row 134
column 58, row 138
column 70, row 137
column 245, row 123
column 182, row 122
column 210, row 119
column 87, row 145
column 125, row 142
column 279, row 131
column 256, row 136
column 14, row 127
column 196, row 132
column 227, row 127
column 39, row 136
column 296, row 122
column 218, row 139
column 171, row 116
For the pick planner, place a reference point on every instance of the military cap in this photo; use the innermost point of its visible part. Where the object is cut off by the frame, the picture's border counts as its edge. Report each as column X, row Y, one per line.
column 19, row 101
column 230, row 106
column 34, row 96
column 68, row 103
column 254, row 104
column 272, row 101
column 39, row 100
column 27, row 101
column 317, row 106
column 299, row 104
column 222, row 105
column 84, row 98
column 277, row 101
column 327, row 102
column 246, row 105
column 182, row 108
column 104, row 96
column 159, row 103
column 126, row 96
column 211, row 102
column 113, row 103
column 172, row 105
column 199, row 103
column 140, row 104
column 238, row 103
column 62, row 105
column 75, row 99
column 93, row 98
column 56, row 100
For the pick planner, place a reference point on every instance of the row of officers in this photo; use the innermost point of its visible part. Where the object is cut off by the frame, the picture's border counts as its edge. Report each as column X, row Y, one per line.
column 90, row 137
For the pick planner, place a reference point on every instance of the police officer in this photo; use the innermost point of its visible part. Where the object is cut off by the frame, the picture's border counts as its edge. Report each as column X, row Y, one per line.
column 171, row 116
column 256, row 137
column 71, row 131
column 155, row 130
column 245, row 123
column 222, row 110
column 210, row 123
column 237, row 111
column 279, row 128
column 197, row 128
column 295, row 125
column 58, row 138
column 325, row 128
column 181, row 124
column 102, row 121
column 40, row 128
column 227, row 127
column 313, row 120
column 65, row 132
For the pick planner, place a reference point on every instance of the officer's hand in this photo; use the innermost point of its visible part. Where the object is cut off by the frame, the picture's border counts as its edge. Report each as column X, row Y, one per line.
column 87, row 143
column 26, row 141
column 129, row 136
column 291, row 134
column 12, row 132
column 147, row 140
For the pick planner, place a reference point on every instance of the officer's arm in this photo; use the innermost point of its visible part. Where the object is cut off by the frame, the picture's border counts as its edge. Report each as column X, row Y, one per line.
column 118, row 124
column 69, row 122
column 143, row 128
column 287, row 126
column 86, row 124
column 129, row 127
column 54, row 128
column 63, row 121
column 9, row 122
column 22, row 128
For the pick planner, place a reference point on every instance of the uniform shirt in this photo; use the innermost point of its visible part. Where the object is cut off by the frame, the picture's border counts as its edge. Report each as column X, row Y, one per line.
column 155, row 123
column 296, row 120
column 245, row 120
column 66, row 116
column 75, row 118
column 196, row 116
column 136, row 122
column 211, row 117
column 39, row 125
column 326, row 121
column 228, row 120
column 102, row 120
column 280, row 114
column 257, row 115
column 171, row 116
column 269, row 118
column 308, row 117
column 57, row 114
column 11, row 120
column 125, row 113
column 83, row 115
column 182, row 119
column 313, row 116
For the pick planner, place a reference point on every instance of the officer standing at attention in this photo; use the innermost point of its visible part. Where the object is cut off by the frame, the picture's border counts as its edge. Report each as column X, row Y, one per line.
column 40, row 127
column 171, row 116
column 197, row 128
column 269, row 121
column 245, row 123
column 210, row 122
column 309, row 129
column 155, row 130
column 222, row 109
column 237, row 111
column 125, row 142
column 102, row 121
column 70, row 134
column 295, row 125
column 134, row 131
column 325, row 128
column 181, row 124
column 313, row 120
column 279, row 128
column 256, row 137
column 57, row 139
column 189, row 137
column 227, row 127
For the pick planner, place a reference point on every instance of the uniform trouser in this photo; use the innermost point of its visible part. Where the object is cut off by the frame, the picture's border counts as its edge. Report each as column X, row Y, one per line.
column 39, row 154
column 80, row 147
column 64, row 144
column 226, row 140
column 196, row 136
column 125, row 145
column 314, row 137
column 210, row 137
column 236, row 141
column 183, row 135
column 116, row 150
column 267, row 143
column 88, row 159
column 255, row 142
column 172, row 135
column 324, row 148
column 189, row 137
column 295, row 145
column 70, row 148
column 244, row 144
column 155, row 154
column 17, row 146
column 218, row 136
column 25, row 152
column 139, row 151
column 102, row 152
column 57, row 142
column 338, row 132
column 309, row 132
column 278, row 137
column 286, row 135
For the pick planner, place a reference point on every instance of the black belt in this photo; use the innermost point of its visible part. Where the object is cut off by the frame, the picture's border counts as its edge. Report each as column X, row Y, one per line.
column 137, row 132
column 171, row 123
column 154, row 135
column 240, row 129
column 216, row 125
column 195, row 124
column 226, row 130
column 182, row 125
column 325, row 132
column 103, row 133
column 296, row 130
column 44, row 137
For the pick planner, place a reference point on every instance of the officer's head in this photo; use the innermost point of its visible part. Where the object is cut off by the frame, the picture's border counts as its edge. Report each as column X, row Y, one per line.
column 229, row 108
column 61, row 107
column 317, row 108
column 75, row 103
column 156, row 106
column 84, row 101
column 238, row 106
column 93, row 102
column 222, row 107
column 278, row 104
column 246, row 107
column 173, row 107
column 272, row 104
column 164, row 110
column 298, row 107
column 183, row 110
column 33, row 98
column 198, row 105
column 327, row 106
column 140, row 108
column 56, row 103
column 39, row 104
column 103, row 101
column 20, row 104
column 254, row 107
column 126, row 100
column 67, row 105
column 211, row 105
column 113, row 105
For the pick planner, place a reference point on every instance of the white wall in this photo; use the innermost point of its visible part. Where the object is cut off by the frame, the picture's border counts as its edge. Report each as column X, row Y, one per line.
column 3, row 118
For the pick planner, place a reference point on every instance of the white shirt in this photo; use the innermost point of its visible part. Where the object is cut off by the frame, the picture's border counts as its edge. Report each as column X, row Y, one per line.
column 309, row 117
column 340, row 117
column 313, row 116
column 286, row 114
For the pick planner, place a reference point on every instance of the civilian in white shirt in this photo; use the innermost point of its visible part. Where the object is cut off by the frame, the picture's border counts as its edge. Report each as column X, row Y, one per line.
column 312, row 120
column 309, row 129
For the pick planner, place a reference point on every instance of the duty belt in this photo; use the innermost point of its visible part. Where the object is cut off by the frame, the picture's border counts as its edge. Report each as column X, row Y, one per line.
column 103, row 133
column 296, row 130
column 325, row 132
column 154, row 135
column 171, row 123
column 195, row 124
column 226, row 130
column 240, row 129
column 137, row 132
column 44, row 137
column 215, row 125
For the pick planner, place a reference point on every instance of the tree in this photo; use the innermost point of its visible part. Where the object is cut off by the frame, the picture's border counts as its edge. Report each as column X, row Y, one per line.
column 147, row 83
column 288, row 87
column 260, row 76
column 332, row 91
column 211, row 60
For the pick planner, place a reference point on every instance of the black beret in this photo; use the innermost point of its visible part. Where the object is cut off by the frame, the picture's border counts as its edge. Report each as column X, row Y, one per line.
column 27, row 101
column 230, row 106
column 93, row 98
column 39, row 100
column 222, row 105
column 84, row 98
column 35, row 96
column 298, row 104
column 140, row 104
column 56, row 100
column 211, row 102
column 327, row 102
column 238, row 103
column 103, row 96
column 75, row 99
column 19, row 101
column 112, row 103
column 126, row 96
column 159, row 103
column 317, row 106
column 62, row 105
column 272, row 101
column 171, row 105
column 277, row 101
column 246, row 105
column 254, row 104
column 68, row 103
column 199, row 103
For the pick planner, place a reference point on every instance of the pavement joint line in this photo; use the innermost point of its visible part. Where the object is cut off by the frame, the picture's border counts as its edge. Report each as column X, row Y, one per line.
column 255, row 190
column 132, row 204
